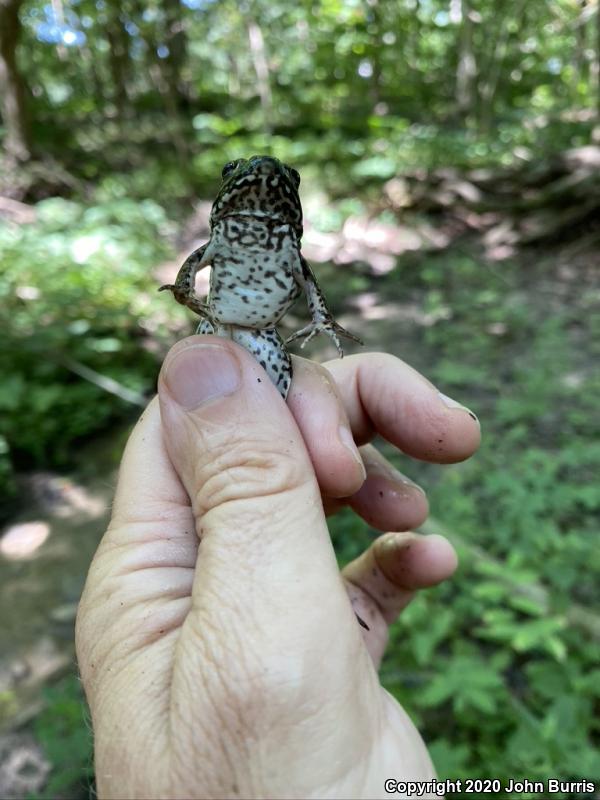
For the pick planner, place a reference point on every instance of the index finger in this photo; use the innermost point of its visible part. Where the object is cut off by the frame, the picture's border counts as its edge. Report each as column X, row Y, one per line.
column 382, row 394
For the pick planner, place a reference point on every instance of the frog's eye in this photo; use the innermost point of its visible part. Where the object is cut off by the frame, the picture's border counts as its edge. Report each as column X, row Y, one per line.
column 295, row 176
column 228, row 168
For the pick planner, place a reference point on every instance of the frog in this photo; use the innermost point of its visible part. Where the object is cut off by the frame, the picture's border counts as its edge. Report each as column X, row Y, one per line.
column 258, row 271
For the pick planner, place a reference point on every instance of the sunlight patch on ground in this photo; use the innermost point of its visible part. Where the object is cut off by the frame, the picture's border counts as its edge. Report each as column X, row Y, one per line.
column 21, row 541
column 62, row 497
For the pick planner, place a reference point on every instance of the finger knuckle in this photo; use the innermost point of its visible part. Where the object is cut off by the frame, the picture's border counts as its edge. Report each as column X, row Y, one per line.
column 251, row 468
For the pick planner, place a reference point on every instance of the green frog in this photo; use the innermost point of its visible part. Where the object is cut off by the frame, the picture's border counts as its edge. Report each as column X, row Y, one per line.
column 258, row 271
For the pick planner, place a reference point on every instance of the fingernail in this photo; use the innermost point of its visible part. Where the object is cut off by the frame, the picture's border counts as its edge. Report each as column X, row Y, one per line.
column 347, row 440
column 395, row 541
column 407, row 482
column 378, row 465
column 201, row 373
column 389, row 472
column 450, row 403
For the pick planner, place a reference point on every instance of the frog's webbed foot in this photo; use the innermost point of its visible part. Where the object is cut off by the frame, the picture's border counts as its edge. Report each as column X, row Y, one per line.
column 328, row 326
column 186, row 298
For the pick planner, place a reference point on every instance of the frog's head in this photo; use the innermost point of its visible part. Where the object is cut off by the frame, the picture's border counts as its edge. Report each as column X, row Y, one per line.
column 261, row 185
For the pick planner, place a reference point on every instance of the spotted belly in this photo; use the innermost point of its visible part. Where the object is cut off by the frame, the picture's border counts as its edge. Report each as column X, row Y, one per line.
column 252, row 292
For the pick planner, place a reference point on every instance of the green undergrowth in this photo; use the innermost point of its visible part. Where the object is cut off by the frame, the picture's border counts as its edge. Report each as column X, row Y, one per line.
column 499, row 667
column 76, row 290
column 502, row 679
column 64, row 733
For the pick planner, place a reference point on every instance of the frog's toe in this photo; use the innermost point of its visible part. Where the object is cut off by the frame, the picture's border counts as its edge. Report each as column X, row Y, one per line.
column 346, row 334
column 167, row 287
column 306, row 331
column 333, row 336
column 310, row 336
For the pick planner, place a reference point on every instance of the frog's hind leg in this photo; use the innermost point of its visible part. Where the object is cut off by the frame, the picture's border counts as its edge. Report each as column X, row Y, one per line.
column 268, row 349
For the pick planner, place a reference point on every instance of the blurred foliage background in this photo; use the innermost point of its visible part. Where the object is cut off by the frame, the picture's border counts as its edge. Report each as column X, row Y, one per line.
column 450, row 159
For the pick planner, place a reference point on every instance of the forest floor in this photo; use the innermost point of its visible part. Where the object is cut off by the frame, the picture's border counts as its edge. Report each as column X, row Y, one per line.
column 428, row 291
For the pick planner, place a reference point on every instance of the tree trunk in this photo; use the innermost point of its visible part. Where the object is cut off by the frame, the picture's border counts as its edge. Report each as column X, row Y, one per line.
column 466, row 69
column 598, row 63
column 119, row 59
column 499, row 47
column 261, row 69
column 581, row 64
column 13, row 91
column 175, row 39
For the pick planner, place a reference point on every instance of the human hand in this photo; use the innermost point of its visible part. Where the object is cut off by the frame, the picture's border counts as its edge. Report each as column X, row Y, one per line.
column 235, row 667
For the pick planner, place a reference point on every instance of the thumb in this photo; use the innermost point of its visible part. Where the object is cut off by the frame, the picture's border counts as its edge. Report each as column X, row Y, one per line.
column 256, row 502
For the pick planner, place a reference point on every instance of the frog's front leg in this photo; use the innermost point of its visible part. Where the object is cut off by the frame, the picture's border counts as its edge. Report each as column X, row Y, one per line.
column 322, row 319
column 183, row 288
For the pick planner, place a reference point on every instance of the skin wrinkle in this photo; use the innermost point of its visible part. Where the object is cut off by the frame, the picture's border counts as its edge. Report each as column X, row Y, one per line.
column 218, row 687
column 144, row 589
column 127, row 600
column 247, row 478
column 106, row 665
column 145, row 728
column 176, row 719
column 156, row 564
column 170, row 552
column 174, row 513
column 171, row 513
column 244, row 530
column 245, row 536
column 180, row 554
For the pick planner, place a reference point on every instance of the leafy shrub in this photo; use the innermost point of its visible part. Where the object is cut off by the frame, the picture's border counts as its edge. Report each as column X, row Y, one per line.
column 64, row 733
column 75, row 289
column 499, row 667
